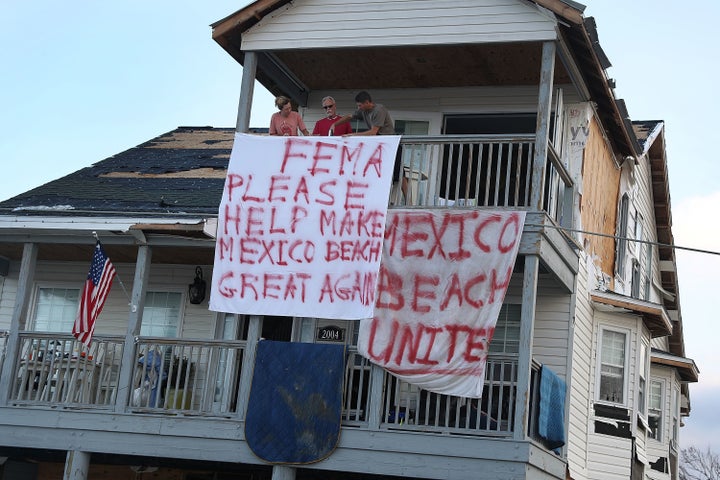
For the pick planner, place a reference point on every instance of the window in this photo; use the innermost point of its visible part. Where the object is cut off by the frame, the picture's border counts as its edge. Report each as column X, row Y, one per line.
column 506, row 338
column 647, row 271
column 161, row 317
column 655, row 409
column 635, row 280
column 55, row 309
column 642, row 380
column 637, row 233
column 622, row 233
column 675, row 411
column 612, row 366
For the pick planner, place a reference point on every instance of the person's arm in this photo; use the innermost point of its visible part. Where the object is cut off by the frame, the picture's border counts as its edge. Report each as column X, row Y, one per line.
column 340, row 121
column 372, row 131
column 272, row 130
column 301, row 126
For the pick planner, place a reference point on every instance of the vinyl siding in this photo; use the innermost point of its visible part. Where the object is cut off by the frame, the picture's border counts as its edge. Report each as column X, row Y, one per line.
column 196, row 320
column 338, row 24
column 603, row 459
column 582, row 381
column 552, row 323
column 8, row 290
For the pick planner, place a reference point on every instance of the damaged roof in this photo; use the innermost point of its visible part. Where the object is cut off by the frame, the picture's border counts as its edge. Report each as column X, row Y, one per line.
column 179, row 172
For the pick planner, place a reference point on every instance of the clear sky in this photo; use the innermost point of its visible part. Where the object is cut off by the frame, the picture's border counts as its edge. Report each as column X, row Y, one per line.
column 84, row 80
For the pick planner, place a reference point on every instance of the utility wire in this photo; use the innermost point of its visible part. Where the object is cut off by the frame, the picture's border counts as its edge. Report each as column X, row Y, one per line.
column 617, row 237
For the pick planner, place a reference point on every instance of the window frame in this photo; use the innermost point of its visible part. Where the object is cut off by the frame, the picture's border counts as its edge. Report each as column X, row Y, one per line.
column 643, row 378
column 626, row 365
column 511, row 317
column 652, row 412
column 647, row 275
column 622, row 233
column 31, row 324
column 181, row 310
column 675, row 417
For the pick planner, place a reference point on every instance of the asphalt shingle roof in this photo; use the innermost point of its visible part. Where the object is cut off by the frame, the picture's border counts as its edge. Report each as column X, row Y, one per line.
column 182, row 171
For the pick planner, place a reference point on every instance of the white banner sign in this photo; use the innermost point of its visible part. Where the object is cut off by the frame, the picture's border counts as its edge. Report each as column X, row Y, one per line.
column 442, row 282
column 301, row 224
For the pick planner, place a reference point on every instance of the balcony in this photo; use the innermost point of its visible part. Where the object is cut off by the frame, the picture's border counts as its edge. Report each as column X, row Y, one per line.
column 203, row 378
column 481, row 171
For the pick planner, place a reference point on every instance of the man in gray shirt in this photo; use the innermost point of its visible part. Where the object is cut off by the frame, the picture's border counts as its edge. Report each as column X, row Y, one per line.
column 378, row 120
column 375, row 116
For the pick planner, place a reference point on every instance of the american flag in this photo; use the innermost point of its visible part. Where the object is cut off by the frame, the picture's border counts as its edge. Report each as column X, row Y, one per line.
column 97, row 287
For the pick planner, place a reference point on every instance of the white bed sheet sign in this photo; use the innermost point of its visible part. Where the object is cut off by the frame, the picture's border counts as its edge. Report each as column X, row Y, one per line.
column 301, row 225
column 443, row 279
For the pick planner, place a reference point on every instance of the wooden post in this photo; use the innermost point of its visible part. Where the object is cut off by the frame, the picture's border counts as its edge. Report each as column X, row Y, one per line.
column 282, row 472
column 77, row 465
column 247, row 88
column 375, row 400
column 542, row 126
column 17, row 322
column 527, row 326
column 248, row 365
column 137, row 305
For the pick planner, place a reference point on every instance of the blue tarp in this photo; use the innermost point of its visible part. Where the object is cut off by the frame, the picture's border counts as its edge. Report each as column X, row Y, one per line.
column 551, row 417
column 295, row 405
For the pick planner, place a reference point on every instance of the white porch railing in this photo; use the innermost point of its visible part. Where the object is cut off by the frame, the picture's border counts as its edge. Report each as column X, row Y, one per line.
column 202, row 377
column 56, row 369
column 198, row 377
column 407, row 407
column 479, row 170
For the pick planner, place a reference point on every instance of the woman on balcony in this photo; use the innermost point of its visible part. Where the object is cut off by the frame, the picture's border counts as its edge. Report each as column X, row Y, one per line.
column 286, row 122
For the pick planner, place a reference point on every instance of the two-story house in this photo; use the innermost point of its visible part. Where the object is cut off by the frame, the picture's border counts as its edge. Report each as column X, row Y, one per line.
column 501, row 106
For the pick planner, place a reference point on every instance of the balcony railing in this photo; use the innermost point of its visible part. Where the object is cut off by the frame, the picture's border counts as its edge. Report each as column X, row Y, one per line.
column 187, row 376
column 407, row 407
column 203, row 377
column 58, row 370
column 480, row 170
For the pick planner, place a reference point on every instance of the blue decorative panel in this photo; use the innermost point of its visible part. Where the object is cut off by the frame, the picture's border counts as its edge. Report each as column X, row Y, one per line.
column 295, row 402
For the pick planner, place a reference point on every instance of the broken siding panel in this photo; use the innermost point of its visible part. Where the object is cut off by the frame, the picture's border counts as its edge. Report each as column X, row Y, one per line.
column 335, row 24
column 598, row 205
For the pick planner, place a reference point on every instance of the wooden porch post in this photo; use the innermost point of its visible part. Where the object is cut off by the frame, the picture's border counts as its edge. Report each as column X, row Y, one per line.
column 248, row 365
column 542, row 126
column 282, row 472
column 527, row 325
column 247, row 88
column 142, row 273
column 18, row 320
column 77, row 465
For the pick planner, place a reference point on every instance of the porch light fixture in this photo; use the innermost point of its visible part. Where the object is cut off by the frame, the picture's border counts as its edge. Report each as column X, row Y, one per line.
column 196, row 290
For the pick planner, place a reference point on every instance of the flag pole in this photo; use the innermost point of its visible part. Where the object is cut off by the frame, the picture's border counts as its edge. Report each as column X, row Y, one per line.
column 117, row 275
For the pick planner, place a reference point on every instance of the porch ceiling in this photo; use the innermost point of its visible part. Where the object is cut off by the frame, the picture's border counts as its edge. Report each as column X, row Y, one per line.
column 413, row 67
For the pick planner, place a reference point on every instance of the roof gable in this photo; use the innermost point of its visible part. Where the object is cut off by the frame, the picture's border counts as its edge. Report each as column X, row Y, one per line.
column 329, row 24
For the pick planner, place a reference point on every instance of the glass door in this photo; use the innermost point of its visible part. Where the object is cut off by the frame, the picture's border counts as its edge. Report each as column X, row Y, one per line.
column 417, row 158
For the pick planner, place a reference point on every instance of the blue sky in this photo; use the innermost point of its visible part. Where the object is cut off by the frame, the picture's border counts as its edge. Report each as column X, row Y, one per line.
column 85, row 80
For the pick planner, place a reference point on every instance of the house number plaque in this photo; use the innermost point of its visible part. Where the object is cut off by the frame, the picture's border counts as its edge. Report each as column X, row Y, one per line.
column 331, row 333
